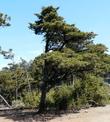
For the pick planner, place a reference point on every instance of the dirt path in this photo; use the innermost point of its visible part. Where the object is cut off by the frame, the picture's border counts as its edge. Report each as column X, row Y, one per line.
column 3, row 119
column 99, row 114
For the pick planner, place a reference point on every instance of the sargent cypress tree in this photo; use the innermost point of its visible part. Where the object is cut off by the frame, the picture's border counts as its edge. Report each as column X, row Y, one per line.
column 57, row 35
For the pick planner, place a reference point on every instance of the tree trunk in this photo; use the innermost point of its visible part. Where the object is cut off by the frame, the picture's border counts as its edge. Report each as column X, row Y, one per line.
column 42, row 105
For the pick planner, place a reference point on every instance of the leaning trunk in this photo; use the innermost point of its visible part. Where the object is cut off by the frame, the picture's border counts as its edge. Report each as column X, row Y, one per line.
column 5, row 101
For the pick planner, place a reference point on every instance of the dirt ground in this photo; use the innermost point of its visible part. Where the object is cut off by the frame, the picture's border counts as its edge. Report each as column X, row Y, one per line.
column 98, row 114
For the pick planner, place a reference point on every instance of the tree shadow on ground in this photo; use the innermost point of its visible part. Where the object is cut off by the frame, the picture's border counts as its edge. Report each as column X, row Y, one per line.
column 34, row 116
column 30, row 117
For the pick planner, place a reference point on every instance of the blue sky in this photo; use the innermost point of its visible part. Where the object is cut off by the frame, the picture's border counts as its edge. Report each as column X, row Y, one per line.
column 88, row 15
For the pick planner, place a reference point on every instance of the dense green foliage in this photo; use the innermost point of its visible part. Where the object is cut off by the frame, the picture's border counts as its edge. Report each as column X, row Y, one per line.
column 70, row 55
column 69, row 74
column 81, row 73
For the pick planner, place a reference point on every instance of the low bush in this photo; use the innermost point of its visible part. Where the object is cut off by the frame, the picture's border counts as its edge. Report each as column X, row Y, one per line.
column 31, row 99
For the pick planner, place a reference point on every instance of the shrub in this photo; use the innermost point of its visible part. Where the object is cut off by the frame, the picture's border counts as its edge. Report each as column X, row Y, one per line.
column 60, row 97
column 31, row 99
column 83, row 93
column 91, row 88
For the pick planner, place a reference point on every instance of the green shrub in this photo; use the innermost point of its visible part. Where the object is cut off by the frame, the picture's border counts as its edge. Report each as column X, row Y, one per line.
column 60, row 97
column 31, row 99
column 83, row 93
column 96, row 89
column 90, row 90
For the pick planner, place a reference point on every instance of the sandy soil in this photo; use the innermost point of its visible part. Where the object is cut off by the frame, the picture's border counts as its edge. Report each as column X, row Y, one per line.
column 3, row 119
column 99, row 114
